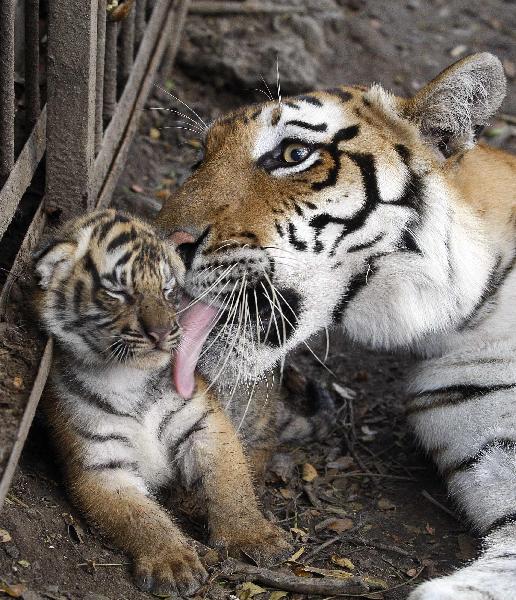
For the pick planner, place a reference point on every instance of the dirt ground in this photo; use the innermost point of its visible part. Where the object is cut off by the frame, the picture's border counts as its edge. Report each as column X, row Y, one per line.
column 366, row 494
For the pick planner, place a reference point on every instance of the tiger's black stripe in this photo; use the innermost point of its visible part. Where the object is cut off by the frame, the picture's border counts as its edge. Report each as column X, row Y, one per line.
column 164, row 423
column 320, row 127
column 310, row 99
column 494, row 282
column 197, row 426
column 460, row 393
column 122, row 238
column 469, row 462
column 78, row 388
column 112, row 465
column 97, row 437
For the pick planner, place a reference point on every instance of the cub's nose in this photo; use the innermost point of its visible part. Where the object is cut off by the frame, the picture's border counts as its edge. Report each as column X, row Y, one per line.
column 159, row 334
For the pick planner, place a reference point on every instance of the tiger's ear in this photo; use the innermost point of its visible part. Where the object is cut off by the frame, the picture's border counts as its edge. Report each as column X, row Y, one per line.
column 453, row 108
column 57, row 257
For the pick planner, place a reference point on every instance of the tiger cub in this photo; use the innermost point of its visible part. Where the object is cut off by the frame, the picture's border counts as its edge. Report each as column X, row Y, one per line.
column 110, row 297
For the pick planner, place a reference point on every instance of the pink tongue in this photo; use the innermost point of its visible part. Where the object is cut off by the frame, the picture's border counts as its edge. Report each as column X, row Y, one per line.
column 197, row 322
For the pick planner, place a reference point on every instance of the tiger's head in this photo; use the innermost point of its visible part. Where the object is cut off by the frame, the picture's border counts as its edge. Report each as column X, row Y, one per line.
column 110, row 291
column 280, row 220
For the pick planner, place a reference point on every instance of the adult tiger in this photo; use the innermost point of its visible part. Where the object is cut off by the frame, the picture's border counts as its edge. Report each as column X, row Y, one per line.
column 354, row 207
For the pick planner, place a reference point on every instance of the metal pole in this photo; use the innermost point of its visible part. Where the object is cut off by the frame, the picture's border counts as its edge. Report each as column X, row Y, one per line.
column 110, row 70
column 72, row 57
column 141, row 9
column 32, row 100
column 127, row 44
column 7, row 12
column 101, row 54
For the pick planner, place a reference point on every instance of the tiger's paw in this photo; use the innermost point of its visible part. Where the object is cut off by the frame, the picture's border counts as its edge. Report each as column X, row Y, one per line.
column 263, row 542
column 493, row 579
column 175, row 570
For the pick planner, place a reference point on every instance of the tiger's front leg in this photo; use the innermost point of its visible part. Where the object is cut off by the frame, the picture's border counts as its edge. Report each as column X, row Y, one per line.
column 235, row 520
column 467, row 422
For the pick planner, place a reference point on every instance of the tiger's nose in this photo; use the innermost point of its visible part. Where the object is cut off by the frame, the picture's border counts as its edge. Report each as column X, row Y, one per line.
column 159, row 334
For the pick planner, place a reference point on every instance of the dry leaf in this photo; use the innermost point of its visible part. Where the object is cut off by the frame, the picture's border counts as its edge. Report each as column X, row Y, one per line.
column 18, row 382
column 286, row 493
column 343, row 562
column 154, row 133
column 344, row 392
column 282, row 465
column 412, row 572
column 340, row 525
column 296, row 555
column 277, row 595
column 342, row 463
column 15, row 590
column 458, row 50
column 300, row 532
column 309, row 472
column 137, row 188
column 5, row 536
column 384, row 504
column 249, row 590
column 162, row 194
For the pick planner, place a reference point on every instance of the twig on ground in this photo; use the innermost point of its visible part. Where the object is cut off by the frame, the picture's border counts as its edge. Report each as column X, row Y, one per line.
column 291, row 583
column 378, row 546
column 211, row 7
column 321, row 547
column 435, row 502
column 375, row 475
column 309, row 491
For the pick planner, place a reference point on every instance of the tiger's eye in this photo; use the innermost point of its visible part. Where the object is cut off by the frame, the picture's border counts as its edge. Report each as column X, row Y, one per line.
column 295, row 153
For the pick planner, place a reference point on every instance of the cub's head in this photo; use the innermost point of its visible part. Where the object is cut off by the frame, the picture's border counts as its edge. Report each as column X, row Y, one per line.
column 292, row 199
column 110, row 291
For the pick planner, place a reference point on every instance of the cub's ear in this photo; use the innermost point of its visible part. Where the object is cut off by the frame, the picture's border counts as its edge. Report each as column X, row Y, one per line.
column 453, row 108
column 57, row 257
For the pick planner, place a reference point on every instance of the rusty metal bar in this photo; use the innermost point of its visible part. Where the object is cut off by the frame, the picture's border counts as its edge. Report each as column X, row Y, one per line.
column 174, row 36
column 101, row 53
column 110, row 68
column 7, row 14
column 133, row 100
column 115, row 130
column 139, row 20
column 72, row 58
column 28, row 415
column 32, row 99
column 127, row 44
column 21, row 175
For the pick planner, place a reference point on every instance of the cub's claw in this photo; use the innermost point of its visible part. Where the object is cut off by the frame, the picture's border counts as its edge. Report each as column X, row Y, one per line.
column 265, row 543
column 175, row 570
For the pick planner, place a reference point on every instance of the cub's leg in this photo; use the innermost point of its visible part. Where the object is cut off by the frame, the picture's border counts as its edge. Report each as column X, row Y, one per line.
column 467, row 421
column 118, row 503
column 117, row 500
column 215, row 454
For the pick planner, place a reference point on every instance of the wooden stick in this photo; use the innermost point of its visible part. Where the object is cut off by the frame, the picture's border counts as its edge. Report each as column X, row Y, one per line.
column 290, row 583
column 233, row 8
column 377, row 545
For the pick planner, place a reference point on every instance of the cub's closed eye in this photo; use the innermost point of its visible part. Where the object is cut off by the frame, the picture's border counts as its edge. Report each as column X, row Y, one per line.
column 296, row 153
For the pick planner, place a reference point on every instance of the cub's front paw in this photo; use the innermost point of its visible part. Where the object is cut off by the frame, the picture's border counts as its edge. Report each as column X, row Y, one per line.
column 260, row 540
column 175, row 569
